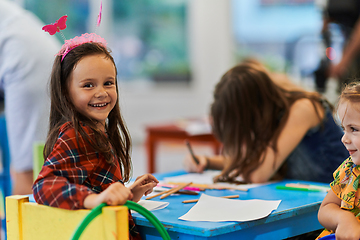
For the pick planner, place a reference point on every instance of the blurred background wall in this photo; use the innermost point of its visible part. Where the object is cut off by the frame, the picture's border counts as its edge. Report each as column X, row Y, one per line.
column 171, row 53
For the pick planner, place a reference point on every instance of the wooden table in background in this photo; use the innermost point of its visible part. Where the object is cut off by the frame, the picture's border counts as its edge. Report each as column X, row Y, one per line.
column 174, row 133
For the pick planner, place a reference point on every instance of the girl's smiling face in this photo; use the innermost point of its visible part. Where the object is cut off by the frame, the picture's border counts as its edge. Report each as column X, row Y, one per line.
column 92, row 87
column 349, row 115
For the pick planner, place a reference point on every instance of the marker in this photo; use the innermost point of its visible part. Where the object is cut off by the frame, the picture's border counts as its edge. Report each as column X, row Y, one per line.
column 309, row 186
column 298, row 189
column 191, row 152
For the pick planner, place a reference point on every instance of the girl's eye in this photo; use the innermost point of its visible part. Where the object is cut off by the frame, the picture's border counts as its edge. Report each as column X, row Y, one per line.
column 88, row 85
column 109, row 83
column 353, row 129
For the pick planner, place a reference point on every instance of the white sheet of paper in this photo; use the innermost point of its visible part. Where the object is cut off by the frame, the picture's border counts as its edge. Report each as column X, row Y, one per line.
column 201, row 178
column 207, row 178
column 153, row 205
column 195, row 126
column 216, row 209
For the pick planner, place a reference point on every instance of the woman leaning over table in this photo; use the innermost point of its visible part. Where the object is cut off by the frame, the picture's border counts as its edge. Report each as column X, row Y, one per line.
column 270, row 129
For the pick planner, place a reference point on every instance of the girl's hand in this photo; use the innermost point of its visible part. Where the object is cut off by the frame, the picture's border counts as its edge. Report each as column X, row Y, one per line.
column 348, row 229
column 115, row 194
column 191, row 166
column 143, row 185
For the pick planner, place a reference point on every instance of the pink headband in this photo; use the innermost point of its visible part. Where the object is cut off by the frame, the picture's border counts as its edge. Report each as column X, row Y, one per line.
column 76, row 41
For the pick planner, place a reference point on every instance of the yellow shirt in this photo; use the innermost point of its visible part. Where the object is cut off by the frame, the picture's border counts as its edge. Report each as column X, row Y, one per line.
column 345, row 186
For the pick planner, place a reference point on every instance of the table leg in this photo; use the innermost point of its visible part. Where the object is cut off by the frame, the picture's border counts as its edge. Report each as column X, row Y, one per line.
column 216, row 148
column 150, row 148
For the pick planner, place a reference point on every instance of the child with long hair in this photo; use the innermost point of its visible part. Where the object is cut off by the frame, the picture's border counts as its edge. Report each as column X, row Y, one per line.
column 270, row 129
column 88, row 147
column 340, row 209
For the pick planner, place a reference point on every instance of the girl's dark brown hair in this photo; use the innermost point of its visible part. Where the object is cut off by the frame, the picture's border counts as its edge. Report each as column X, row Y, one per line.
column 62, row 111
column 248, row 113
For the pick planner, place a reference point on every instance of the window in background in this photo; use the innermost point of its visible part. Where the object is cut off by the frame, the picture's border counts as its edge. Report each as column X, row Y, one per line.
column 151, row 40
column 285, row 34
column 51, row 10
column 149, row 37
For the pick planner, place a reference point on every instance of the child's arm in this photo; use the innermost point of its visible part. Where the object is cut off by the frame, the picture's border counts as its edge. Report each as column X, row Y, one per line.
column 143, row 185
column 115, row 194
column 64, row 179
column 332, row 217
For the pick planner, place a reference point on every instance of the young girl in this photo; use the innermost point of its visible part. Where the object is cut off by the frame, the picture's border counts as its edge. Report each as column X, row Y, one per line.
column 270, row 129
column 340, row 209
column 87, row 151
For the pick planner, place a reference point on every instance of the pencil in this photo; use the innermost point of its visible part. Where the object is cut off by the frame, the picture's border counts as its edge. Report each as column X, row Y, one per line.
column 170, row 190
column 212, row 186
column 195, row 200
column 174, row 190
column 191, row 152
column 158, row 194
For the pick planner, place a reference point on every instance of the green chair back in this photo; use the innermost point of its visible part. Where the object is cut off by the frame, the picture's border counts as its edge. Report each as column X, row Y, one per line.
column 38, row 159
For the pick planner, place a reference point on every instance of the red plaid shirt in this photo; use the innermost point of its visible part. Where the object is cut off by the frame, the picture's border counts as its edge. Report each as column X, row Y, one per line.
column 72, row 171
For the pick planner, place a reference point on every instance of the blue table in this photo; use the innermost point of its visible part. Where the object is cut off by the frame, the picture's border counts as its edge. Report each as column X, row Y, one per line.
column 296, row 214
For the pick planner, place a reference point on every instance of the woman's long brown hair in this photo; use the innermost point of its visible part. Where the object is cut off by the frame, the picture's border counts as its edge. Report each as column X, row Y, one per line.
column 62, row 110
column 248, row 113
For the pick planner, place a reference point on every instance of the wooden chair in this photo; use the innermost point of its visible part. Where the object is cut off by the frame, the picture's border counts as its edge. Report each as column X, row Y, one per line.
column 27, row 220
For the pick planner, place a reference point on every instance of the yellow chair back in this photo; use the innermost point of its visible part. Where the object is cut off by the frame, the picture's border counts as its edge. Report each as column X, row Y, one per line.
column 27, row 221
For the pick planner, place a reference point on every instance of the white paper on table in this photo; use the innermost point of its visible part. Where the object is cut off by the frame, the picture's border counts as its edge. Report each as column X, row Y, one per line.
column 207, row 178
column 201, row 178
column 198, row 128
column 152, row 205
column 217, row 209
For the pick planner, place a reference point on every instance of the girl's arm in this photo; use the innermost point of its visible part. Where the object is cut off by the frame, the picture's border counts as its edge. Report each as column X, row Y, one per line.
column 214, row 162
column 56, row 191
column 332, row 217
column 61, row 181
column 302, row 117
column 115, row 194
